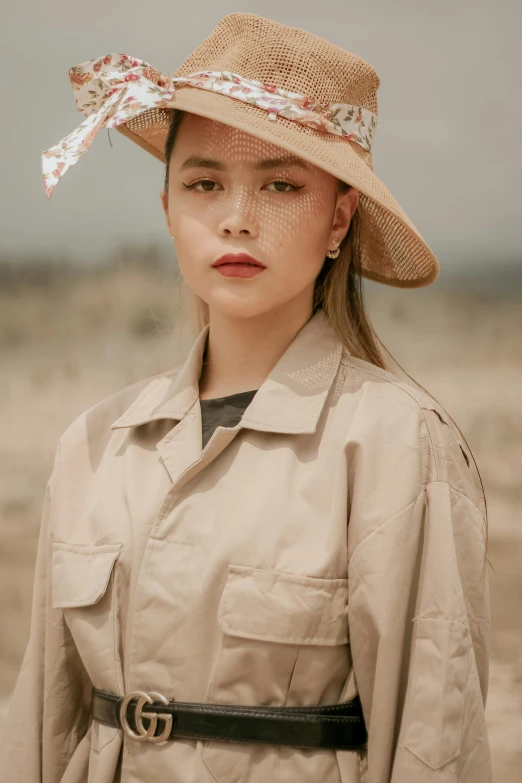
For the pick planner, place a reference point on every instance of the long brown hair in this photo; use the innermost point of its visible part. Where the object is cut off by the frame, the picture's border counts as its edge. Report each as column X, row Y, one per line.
column 338, row 291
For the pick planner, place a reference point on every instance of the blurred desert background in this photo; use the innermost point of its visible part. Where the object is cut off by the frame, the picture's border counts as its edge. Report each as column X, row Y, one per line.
column 71, row 335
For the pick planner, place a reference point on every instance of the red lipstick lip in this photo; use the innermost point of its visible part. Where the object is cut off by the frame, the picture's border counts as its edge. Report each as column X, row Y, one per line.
column 237, row 258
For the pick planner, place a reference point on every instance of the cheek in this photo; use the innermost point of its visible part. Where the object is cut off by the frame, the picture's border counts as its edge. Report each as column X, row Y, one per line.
column 194, row 244
column 185, row 220
column 185, row 228
column 193, row 236
column 299, row 226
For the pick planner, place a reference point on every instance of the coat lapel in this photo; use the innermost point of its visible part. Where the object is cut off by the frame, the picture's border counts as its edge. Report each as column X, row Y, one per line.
column 290, row 400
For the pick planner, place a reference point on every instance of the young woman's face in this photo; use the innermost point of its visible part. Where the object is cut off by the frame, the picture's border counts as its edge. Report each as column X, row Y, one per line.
column 230, row 192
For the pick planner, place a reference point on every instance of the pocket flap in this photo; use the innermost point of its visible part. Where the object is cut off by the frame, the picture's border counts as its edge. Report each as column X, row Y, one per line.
column 80, row 574
column 280, row 607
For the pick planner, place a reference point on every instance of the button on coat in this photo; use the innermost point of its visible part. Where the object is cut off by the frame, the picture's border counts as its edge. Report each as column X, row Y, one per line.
column 331, row 543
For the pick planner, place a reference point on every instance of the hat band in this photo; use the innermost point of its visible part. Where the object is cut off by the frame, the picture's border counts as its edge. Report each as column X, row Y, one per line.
column 113, row 89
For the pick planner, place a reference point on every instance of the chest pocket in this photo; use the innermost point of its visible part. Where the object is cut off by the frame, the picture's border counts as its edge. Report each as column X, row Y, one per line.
column 83, row 588
column 284, row 642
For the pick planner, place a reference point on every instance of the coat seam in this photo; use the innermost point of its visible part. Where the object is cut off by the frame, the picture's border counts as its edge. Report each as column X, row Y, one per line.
column 390, row 519
column 386, row 521
column 458, row 492
column 432, row 446
column 403, row 387
column 394, row 381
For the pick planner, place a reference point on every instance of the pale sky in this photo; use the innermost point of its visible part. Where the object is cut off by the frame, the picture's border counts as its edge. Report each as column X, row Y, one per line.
column 447, row 143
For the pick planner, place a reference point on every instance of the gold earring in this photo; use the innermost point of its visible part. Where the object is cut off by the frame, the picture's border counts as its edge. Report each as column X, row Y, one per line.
column 333, row 253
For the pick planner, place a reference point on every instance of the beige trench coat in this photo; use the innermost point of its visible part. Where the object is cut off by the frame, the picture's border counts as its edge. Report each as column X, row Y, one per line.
column 330, row 543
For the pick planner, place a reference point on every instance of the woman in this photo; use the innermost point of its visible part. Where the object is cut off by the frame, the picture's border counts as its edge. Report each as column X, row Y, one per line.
column 281, row 535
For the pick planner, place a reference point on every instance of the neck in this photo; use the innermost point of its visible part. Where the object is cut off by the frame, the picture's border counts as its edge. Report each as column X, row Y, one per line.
column 241, row 352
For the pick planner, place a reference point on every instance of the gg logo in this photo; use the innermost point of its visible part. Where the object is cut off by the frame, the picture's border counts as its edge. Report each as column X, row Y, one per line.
column 143, row 733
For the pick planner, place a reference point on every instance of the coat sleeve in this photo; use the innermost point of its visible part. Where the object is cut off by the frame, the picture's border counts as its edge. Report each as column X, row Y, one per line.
column 49, row 708
column 419, row 606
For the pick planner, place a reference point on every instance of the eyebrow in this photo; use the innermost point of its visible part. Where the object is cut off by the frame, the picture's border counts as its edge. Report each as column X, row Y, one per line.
column 196, row 161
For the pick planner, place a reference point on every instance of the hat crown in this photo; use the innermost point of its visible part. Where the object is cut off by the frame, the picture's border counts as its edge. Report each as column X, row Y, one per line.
column 287, row 57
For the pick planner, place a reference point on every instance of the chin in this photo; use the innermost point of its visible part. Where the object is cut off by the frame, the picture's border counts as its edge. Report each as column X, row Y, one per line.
column 240, row 308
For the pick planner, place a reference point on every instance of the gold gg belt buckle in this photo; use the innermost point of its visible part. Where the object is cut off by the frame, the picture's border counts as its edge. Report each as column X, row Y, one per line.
column 143, row 734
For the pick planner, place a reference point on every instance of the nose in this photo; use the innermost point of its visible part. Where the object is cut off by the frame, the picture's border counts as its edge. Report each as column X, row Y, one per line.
column 239, row 217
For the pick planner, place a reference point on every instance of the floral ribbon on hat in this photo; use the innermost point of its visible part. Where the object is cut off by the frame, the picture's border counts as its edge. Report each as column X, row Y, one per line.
column 113, row 89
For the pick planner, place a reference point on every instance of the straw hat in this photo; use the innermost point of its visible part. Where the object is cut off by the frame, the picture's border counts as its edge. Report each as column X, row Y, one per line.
column 281, row 84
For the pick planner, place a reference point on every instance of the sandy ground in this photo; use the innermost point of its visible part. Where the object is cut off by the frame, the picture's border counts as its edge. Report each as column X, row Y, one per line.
column 63, row 348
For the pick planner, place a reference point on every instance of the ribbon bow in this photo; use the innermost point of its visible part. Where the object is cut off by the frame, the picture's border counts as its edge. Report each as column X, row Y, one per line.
column 111, row 90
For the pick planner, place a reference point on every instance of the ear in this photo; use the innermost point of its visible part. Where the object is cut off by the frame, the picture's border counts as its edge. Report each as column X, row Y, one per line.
column 347, row 202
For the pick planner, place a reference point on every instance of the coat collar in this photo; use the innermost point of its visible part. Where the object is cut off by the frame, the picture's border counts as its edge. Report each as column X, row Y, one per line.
column 289, row 400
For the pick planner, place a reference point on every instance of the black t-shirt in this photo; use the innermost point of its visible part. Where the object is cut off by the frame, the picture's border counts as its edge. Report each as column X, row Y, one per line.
column 223, row 411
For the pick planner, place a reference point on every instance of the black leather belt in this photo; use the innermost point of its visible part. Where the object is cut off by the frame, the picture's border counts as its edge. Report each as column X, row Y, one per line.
column 151, row 717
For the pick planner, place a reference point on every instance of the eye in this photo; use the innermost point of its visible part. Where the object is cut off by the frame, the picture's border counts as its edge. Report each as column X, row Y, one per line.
column 201, row 182
column 207, row 186
column 285, row 184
